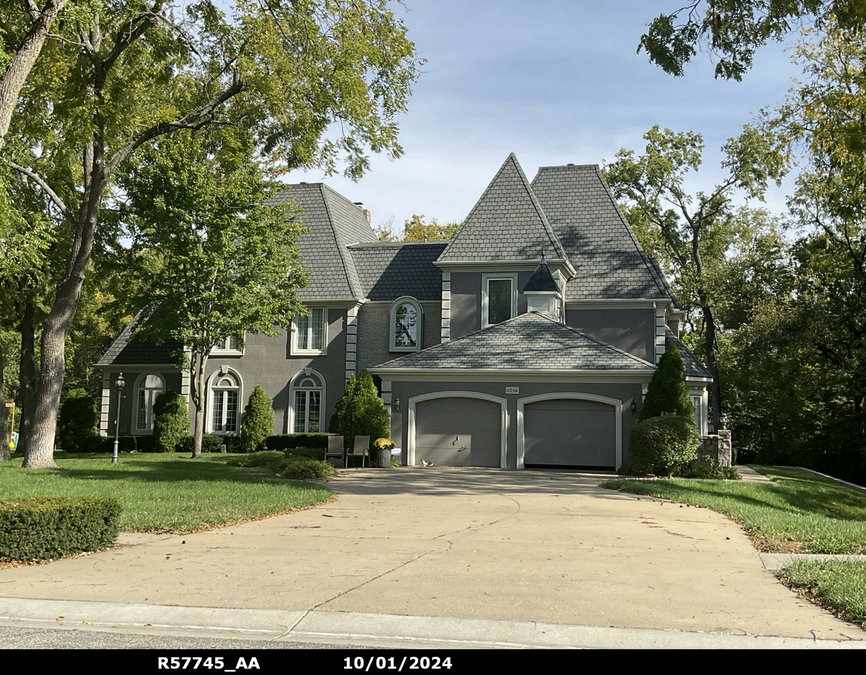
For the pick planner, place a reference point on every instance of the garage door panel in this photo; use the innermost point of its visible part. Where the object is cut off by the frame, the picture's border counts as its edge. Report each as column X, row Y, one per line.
column 570, row 432
column 458, row 432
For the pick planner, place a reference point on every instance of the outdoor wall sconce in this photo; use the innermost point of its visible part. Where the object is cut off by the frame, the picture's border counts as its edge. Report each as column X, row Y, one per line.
column 633, row 407
column 396, row 403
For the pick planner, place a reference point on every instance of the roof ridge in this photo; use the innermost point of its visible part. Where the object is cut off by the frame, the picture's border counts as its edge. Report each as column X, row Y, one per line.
column 357, row 292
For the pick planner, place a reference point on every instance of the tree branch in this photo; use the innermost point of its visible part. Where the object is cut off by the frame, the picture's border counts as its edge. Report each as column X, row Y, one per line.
column 58, row 202
column 193, row 120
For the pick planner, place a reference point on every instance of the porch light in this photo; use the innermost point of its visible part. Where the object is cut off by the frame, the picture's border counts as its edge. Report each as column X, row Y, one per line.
column 396, row 403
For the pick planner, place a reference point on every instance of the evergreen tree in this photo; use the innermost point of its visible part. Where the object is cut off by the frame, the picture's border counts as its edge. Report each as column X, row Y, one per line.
column 170, row 421
column 258, row 421
column 360, row 411
column 79, row 421
column 667, row 393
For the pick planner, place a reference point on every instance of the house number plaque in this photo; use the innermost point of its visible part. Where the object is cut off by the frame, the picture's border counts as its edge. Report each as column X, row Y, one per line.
column 512, row 390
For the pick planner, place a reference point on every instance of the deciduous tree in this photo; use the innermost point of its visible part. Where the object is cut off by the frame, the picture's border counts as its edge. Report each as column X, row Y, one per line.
column 223, row 260
column 691, row 233
column 318, row 83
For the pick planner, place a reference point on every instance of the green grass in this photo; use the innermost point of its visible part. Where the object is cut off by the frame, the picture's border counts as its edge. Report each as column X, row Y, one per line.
column 797, row 512
column 838, row 586
column 166, row 492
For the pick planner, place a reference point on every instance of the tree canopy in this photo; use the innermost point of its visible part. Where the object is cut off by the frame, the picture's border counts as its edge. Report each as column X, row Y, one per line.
column 732, row 30
column 315, row 83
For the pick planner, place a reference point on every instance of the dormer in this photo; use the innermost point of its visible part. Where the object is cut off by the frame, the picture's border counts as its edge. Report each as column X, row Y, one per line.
column 543, row 294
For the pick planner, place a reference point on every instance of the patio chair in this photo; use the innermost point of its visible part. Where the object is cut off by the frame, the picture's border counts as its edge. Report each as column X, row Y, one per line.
column 336, row 451
column 360, row 449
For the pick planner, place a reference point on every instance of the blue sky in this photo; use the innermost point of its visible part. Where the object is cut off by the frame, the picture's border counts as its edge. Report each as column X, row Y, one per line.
column 552, row 81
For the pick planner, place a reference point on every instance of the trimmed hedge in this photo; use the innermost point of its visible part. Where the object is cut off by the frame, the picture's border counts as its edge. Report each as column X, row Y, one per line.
column 39, row 528
column 289, row 441
column 78, row 423
column 258, row 420
column 664, row 445
column 170, row 421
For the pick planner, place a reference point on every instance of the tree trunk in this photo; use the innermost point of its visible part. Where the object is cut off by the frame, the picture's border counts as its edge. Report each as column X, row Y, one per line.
column 199, row 400
column 40, row 451
column 27, row 374
column 4, row 423
column 22, row 62
column 712, row 364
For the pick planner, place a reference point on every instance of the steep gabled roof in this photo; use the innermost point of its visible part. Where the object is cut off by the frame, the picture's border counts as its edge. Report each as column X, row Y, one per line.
column 691, row 365
column 388, row 270
column 131, row 349
column 531, row 341
column 507, row 223
column 333, row 223
column 600, row 243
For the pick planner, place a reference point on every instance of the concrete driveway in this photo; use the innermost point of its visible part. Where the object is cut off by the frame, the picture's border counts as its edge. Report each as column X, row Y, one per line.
column 526, row 546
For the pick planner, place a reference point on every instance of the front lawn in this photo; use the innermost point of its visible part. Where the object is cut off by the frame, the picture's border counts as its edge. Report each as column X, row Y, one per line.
column 166, row 492
column 837, row 585
column 798, row 512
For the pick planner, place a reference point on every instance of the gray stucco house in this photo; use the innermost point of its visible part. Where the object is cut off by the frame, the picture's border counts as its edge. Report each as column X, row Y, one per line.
column 528, row 339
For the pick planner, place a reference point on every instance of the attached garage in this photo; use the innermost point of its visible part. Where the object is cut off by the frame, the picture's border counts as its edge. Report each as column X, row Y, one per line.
column 454, row 430
column 569, row 430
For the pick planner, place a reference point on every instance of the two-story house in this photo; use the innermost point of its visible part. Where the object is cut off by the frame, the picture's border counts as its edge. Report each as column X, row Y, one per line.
column 528, row 339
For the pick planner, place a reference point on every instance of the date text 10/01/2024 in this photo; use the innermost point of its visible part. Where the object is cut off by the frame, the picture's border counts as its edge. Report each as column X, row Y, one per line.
column 399, row 664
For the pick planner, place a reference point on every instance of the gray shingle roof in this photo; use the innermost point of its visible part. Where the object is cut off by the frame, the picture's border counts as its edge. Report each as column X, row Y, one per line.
column 605, row 253
column 691, row 365
column 531, row 341
column 506, row 223
column 333, row 223
column 389, row 270
column 130, row 349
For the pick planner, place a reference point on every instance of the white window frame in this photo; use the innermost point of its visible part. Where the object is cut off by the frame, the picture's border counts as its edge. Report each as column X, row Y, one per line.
column 419, row 325
column 485, row 295
column 149, row 402
column 298, row 384
column 309, row 317
column 226, row 349
column 214, row 387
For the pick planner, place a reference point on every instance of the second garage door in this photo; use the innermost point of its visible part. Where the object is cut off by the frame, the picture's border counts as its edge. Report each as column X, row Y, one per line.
column 458, row 432
column 569, row 432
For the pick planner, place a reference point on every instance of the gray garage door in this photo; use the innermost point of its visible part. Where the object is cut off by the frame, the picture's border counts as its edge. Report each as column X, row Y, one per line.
column 569, row 432
column 458, row 432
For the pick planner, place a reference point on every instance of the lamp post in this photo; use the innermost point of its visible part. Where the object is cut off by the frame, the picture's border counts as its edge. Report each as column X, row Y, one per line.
column 119, row 383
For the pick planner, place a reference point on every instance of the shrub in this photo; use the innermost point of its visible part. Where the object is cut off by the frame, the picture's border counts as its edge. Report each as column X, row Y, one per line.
column 664, row 446
column 258, row 420
column 667, row 393
column 37, row 528
column 312, row 453
column 304, row 468
column 360, row 411
column 170, row 421
column 79, row 421
column 286, row 465
column 712, row 470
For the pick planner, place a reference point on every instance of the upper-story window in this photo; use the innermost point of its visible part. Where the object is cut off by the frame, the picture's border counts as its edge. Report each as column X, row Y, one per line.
column 310, row 332
column 407, row 325
column 499, row 300
column 231, row 345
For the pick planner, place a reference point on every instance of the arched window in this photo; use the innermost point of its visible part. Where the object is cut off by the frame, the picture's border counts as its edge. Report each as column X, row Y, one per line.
column 407, row 325
column 147, row 388
column 224, row 406
column 307, row 402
